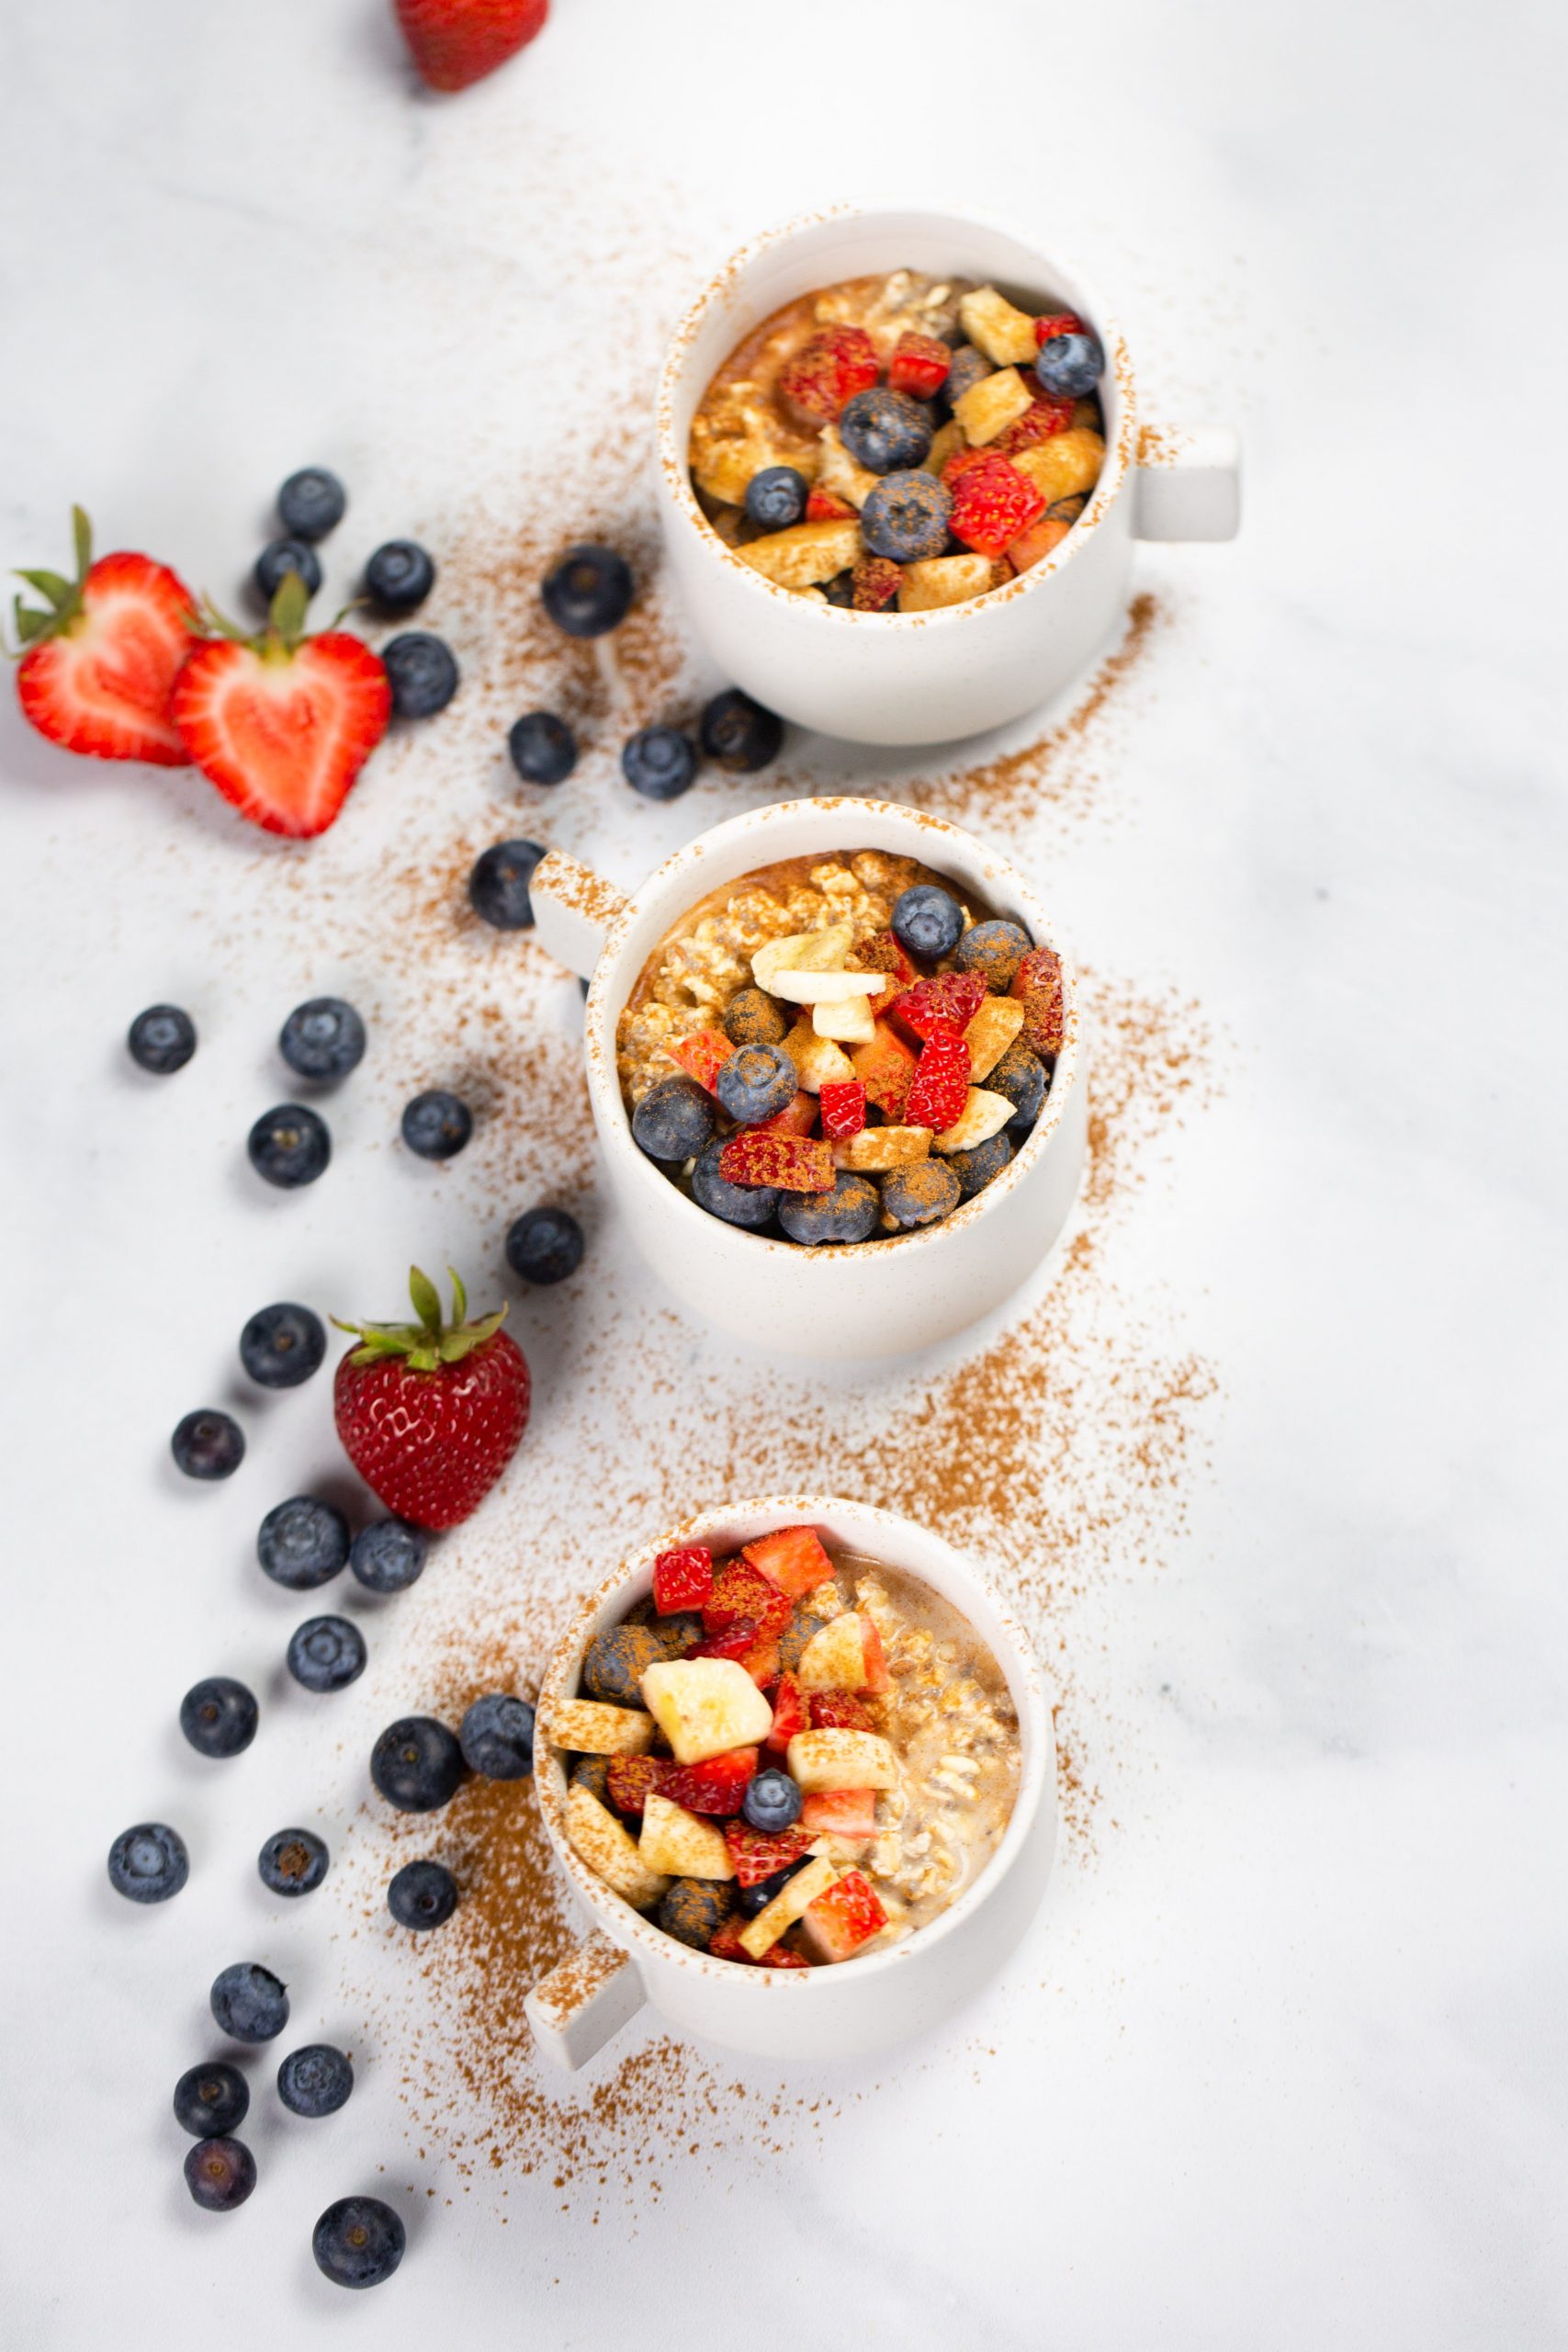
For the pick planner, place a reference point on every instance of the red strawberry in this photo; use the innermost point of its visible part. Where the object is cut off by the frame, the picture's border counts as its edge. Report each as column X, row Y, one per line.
column 792, row 1558
column 843, row 1108
column 703, row 1054
column 836, row 364
column 821, row 506
column 756, row 1855
column 939, row 1087
column 761, row 1662
column 631, row 1778
column 839, row 1711
column 740, row 1591
column 1041, row 539
column 429, row 1413
column 789, row 1715
column 797, row 1118
column 844, row 1918
column 884, row 1068
column 715, row 1787
column 875, row 582
column 458, row 41
column 840, row 1812
column 882, row 953
column 960, row 462
column 1038, row 980
column 874, row 1663
column 725, row 1944
column 739, row 1639
column 918, row 366
column 800, row 1164
column 98, row 666
column 282, row 723
column 992, row 502
column 940, row 1007
column 1046, row 416
column 1058, row 322
column 683, row 1580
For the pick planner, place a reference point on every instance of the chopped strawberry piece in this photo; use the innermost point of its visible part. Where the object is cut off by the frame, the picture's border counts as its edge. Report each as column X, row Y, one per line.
column 875, row 582
column 739, row 1639
column 761, row 1661
column 844, row 1918
column 1057, row 322
column 885, row 1067
column 789, row 1715
column 631, row 1777
column 740, row 1591
column 1038, row 980
column 839, row 1711
column 1041, row 539
column 799, row 1163
column 942, row 1007
column 821, row 506
column 704, row 1055
column 960, row 462
column 918, row 366
column 992, row 502
column 939, row 1087
column 797, row 1118
column 1044, row 417
column 878, row 1677
column 792, row 1558
column 836, row 364
column 715, row 1787
column 839, row 1813
column 882, row 953
column 725, row 1944
column 781, row 1956
column 683, row 1580
column 757, row 1855
column 843, row 1107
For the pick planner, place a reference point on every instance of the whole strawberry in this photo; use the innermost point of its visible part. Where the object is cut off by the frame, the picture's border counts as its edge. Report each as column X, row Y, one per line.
column 100, row 656
column 454, row 42
column 429, row 1413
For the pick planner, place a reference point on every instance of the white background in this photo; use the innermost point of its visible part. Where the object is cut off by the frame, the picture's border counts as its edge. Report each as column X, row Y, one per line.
column 1285, row 2063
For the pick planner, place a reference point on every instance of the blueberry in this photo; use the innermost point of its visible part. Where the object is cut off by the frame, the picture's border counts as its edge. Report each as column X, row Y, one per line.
column 423, row 673
column 905, row 517
column 1069, row 365
column 423, row 1894
column 149, row 1863
column 208, row 1445
column 498, row 886
column 219, row 1718
column 851, row 1212
column 544, row 1246
column 543, row 748
column 588, row 591
column 398, row 576
column 359, row 2242
column 282, row 1345
column 326, row 1654
column 775, row 498
column 674, row 1119
column 416, row 1764
column 739, row 733
column 964, row 371
column 315, row 2080
column 693, row 1909
column 995, row 950
column 211, row 2100
column 496, row 1737
column 249, row 2002
column 886, row 432
column 593, row 1773
column 388, row 1555
column 289, row 1146
column 436, row 1124
column 676, row 1633
column 841, row 590
column 772, row 1801
column 754, row 1899
column 324, row 1039
column 976, row 1169
column 927, row 921
column 1020, row 1076
column 920, row 1194
column 660, row 763
column 750, row 1205
column 615, row 1661
column 756, row 1083
column 752, row 1018
column 278, row 560
column 302, row 1543
column 312, row 502
column 162, row 1039
column 292, row 1861
column 220, row 2174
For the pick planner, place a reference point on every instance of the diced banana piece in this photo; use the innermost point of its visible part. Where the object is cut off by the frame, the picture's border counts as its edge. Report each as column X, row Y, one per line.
column 841, row 1759
column 706, row 1705
column 825, row 988
column 788, row 1905
column 803, row 951
column 604, row 1845
column 818, row 1061
column 806, row 553
column 990, row 1034
column 986, row 409
column 946, row 443
column 682, row 1843
column 877, row 1149
column 849, row 1019
column 944, row 580
column 1065, row 464
column 994, row 326
column 834, row 1660
column 983, row 1115
column 838, row 473
column 590, row 1728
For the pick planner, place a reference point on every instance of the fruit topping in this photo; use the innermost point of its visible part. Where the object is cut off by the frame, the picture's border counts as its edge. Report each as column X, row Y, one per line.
column 798, row 1116
column 741, row 1592
column 885, row 431
column 703, row 1706
column 757, row 1854
column 590, row 1728
column 876, row 583
column 839, row 1711
column 996, row 326
column 990, row 1034
column 1056, row 323
column 615, row 1660
column 703, row 1054
column 823, row 506
column 610, row 1850
column 749, row 1206
column 674, row 1119
column 877, row 1149
column 940, row 1086
column 776, row 497
column 918, row 366
column 796, row 1164
column 751, row 1018
column 788, row 1905
column 675, row 1840
column 884, row 1068
column 905, row 517
column 923, row 1195
column 828, row 370
column 772, row 1801
column 1022, row 1077
column 841, row 1759
column 984, row 1115
column 1070, row 365
column 716, row 1785
column 693, row 1910
column 992, row 502
column 630, row 1778
column 942, row 1007
column 755, row 1083
column 793, row 1559
column 1037, row 984
column 682, row 1579
column 840, row 1812
column 843, row 1109
column 846, row 1916
column 789, row 1714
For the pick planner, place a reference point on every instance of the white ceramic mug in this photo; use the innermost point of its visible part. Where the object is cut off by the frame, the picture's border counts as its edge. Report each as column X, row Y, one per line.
column 829, row 2012
column 874, row 1298
column 926, row 677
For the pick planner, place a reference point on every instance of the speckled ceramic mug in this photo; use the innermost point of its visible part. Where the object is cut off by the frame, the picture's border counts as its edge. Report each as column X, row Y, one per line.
column 824, row 2013
column 874, row 1298
column 926, row 677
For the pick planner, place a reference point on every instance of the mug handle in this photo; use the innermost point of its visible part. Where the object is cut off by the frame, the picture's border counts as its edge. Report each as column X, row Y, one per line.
column 1187, row 482
column 584, row 2002
column 573, row 909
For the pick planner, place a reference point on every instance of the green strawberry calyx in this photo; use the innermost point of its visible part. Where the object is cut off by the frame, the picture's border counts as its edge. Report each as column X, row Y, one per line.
column 428, row 1344
column 63, row 599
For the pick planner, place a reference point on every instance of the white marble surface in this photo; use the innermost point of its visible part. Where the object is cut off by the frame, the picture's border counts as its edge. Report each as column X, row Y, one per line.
column 1285, row 2063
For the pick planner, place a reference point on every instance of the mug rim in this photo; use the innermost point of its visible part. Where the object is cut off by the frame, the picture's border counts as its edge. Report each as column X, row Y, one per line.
column 616, row 1129
column 675, row 471
column 634, row 1930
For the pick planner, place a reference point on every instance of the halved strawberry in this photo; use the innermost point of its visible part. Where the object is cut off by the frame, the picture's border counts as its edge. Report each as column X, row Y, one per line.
column 843, row 1108
column 839, row 1711
column 829, row 369
column 715, row 1787
column 682, row 1579
column 840, row 1812
column 757, row 1855
column 939, row 1087
column 282, row 723
column 703, row 1054
column 844, row 1918
column 918, row 366
column 943, row 1006
column 631, row 1777
column 792, row 1558
column 797, row 1118
column 740, row 1591
column 789, row 1715
column 99, row 665
column 992, row 502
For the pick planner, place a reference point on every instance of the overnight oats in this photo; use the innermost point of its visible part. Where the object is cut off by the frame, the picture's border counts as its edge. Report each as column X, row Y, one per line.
column 788, row 1756
column 839, row 1049
column 900, row 443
